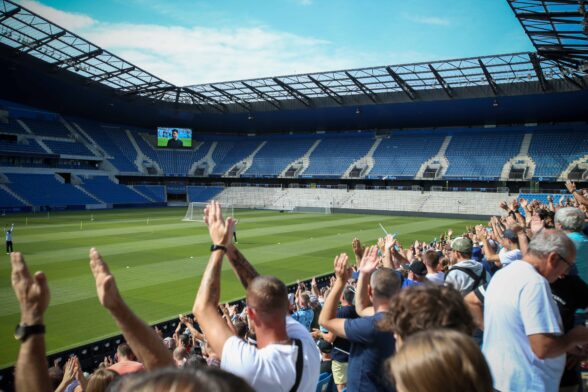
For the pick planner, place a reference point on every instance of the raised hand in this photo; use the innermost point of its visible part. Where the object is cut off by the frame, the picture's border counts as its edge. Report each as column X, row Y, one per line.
column 357, row 248
column 370, row 260
column 503, row 205
column 389, row 242
column 108, row 293
column 381, row 243
column 31, row 292
column 523, row 202
column 220, row 230
column 571, row 187
column 342, row 269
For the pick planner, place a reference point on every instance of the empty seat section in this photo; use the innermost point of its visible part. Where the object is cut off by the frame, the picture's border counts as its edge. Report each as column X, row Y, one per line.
column 202, row 193
column 8, row 125
column 334, row 155
column 46, row 190
column 47, row 128
column 68, row 148
column 111, row 192
column 481, row 155
column 23, row 146
column 275, row 156
column 554, row 151
column 7, row 200
column 403, row 155
column 228, row 153
column 155, row 192
column 114, row 142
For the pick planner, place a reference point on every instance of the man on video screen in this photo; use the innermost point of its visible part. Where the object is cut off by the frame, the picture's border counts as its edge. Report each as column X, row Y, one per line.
column 175, row 142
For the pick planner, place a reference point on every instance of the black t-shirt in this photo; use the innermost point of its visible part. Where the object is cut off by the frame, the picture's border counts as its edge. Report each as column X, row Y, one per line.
column 326, row 367
column 570, row 293
column 175, row 143
column 341, row 346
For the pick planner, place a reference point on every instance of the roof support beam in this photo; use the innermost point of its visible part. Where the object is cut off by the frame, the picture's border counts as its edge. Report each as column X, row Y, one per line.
column 295, row 93
column 10, row 14
column 36, row 44
column 268, row 98
column 234, row 98
column 113, row 74
column 213, row 102
column 142, row 87
column 402, row 83
column 538, row 71
column 489, row 77
column 364, row 89
column 325, row 89
column 446, row 87
column 578, row 82
column 550, row 16
column 72, row 61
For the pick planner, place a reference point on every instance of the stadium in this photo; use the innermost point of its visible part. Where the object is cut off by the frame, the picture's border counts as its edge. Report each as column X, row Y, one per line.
column 96, row 151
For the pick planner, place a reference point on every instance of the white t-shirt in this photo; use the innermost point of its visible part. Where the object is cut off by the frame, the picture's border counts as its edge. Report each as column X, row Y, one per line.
column 273, row 368
column 508, row 256
column 437, row 278
column 519, row 303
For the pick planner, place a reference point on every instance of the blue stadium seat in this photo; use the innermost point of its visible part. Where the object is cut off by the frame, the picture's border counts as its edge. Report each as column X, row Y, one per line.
column 554, row 151
column 68, row 148
column 276, row 154
column 27, row 146
column 155, row 192
column 202, row 193
column 47, row 128
column 110, row 192
column 54, row 192
column 8, row 201
column 323, row 382
column 228, row 152
column 334, row 155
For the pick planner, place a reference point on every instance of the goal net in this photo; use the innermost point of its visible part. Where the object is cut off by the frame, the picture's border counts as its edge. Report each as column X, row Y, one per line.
column 312, row 210
column 195, row 211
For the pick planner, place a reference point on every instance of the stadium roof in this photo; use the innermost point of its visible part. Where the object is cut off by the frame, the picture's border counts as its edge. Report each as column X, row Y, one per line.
column 29, row 33
column 557, row 28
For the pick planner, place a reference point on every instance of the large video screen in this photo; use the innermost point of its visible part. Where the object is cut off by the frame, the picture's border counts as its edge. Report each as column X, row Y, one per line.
column 174, row 137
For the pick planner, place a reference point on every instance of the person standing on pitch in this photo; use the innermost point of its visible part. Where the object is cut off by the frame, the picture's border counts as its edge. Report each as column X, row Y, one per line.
column 8, row 233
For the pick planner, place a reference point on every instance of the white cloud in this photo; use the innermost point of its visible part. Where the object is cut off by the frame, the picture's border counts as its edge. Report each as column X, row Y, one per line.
column 193, row 55
column 428, row 20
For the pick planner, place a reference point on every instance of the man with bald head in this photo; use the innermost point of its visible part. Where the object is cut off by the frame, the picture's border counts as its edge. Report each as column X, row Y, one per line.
column 285, row 358
column 523, row 336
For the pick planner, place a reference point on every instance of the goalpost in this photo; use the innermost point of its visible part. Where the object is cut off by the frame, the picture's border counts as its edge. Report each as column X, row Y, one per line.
column 196, row 211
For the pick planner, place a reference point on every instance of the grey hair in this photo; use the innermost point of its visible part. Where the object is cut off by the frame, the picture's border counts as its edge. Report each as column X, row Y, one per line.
column 570, row 218
column 548, row 241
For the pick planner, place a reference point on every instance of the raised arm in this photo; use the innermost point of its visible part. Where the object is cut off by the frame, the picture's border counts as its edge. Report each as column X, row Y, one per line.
column 577, row 195
column 208, row 297
column 142, row 339
column 328, row 317
column 357, row 250
column 369, row 263
column 240, row 265
column 32, row 293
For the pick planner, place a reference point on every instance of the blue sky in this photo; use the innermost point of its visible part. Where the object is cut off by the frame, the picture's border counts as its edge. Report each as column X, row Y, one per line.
column 190, row 42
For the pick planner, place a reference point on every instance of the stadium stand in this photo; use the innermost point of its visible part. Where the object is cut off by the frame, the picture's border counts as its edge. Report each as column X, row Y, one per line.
column 155, row 192
column 554, row 151
column 43, row 127
column 228, row 152
column 334, row 155
column 110, row 192
column 55, row 192
column 401, row 156
column 25, row 145
column 68, row 148
column 8, row 125
column 202, row 193
column 276, row 154
column 7, row 200
column 481, row 155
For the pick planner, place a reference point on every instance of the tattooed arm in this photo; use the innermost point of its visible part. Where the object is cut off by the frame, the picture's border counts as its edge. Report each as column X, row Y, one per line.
column 242, row 267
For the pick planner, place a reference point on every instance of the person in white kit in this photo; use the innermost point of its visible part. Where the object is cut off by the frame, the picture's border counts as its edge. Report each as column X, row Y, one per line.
column 8, row 233
column 285, row 358
column 523, row 339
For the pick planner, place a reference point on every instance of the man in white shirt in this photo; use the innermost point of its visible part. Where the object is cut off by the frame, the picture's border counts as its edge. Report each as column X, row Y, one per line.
column 285, row 358
column 523, row 340
column 508, row 253
column 431, row 260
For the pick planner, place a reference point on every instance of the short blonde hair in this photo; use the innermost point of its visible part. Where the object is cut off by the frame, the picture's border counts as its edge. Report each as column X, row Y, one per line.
column 440, row 360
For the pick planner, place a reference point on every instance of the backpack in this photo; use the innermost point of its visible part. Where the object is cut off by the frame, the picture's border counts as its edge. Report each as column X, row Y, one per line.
column 478, row 280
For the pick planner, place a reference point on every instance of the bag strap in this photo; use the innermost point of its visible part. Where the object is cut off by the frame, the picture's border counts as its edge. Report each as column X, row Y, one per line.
column 470, row 273
column 299, row 365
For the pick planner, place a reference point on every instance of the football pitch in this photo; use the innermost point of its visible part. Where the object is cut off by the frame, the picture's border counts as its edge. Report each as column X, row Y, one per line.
column 158, row 260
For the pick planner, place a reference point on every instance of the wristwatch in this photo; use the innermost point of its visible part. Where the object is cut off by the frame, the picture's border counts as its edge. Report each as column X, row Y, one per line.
column 214, row 247
column 22, row 332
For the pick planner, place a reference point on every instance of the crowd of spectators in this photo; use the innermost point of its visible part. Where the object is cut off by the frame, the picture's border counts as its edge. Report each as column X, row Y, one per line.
column 495, row 308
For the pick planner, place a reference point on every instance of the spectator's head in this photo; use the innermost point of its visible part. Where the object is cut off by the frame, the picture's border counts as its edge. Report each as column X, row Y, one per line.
column 101, row 379
column 267, row 300
column 175, row 134
column 429, row 359
column 55, row 376
column 347, row 296
column 241, row 328
column 552, row 253
column 418, row 308
column 431, row 260
column 461, row 249
column 184, row 340
column 510, row 239
column 304, row 300
column 195, row 362
column 570, row 219
column 124, row 352
column 211, row 379
column 418, row 271
column 180, row 356
column 384, row 284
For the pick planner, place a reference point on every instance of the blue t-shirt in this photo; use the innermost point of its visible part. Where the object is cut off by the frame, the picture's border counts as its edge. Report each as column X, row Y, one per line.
column 369, row 349
column 304, row 316
column 581, row 243
column 341, row 346
column 409, row 282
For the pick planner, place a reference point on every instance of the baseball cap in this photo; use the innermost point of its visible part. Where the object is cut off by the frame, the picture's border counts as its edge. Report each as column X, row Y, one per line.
column 324, row 346
column 462, row 244
column 509, row 234
column 419, row 268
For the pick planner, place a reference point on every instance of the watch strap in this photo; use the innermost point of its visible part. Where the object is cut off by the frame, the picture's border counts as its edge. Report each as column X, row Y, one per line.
column 215, row 247
column 24, row 331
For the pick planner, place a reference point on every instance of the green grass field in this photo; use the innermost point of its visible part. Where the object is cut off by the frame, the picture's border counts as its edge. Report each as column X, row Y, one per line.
column 158, row 260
